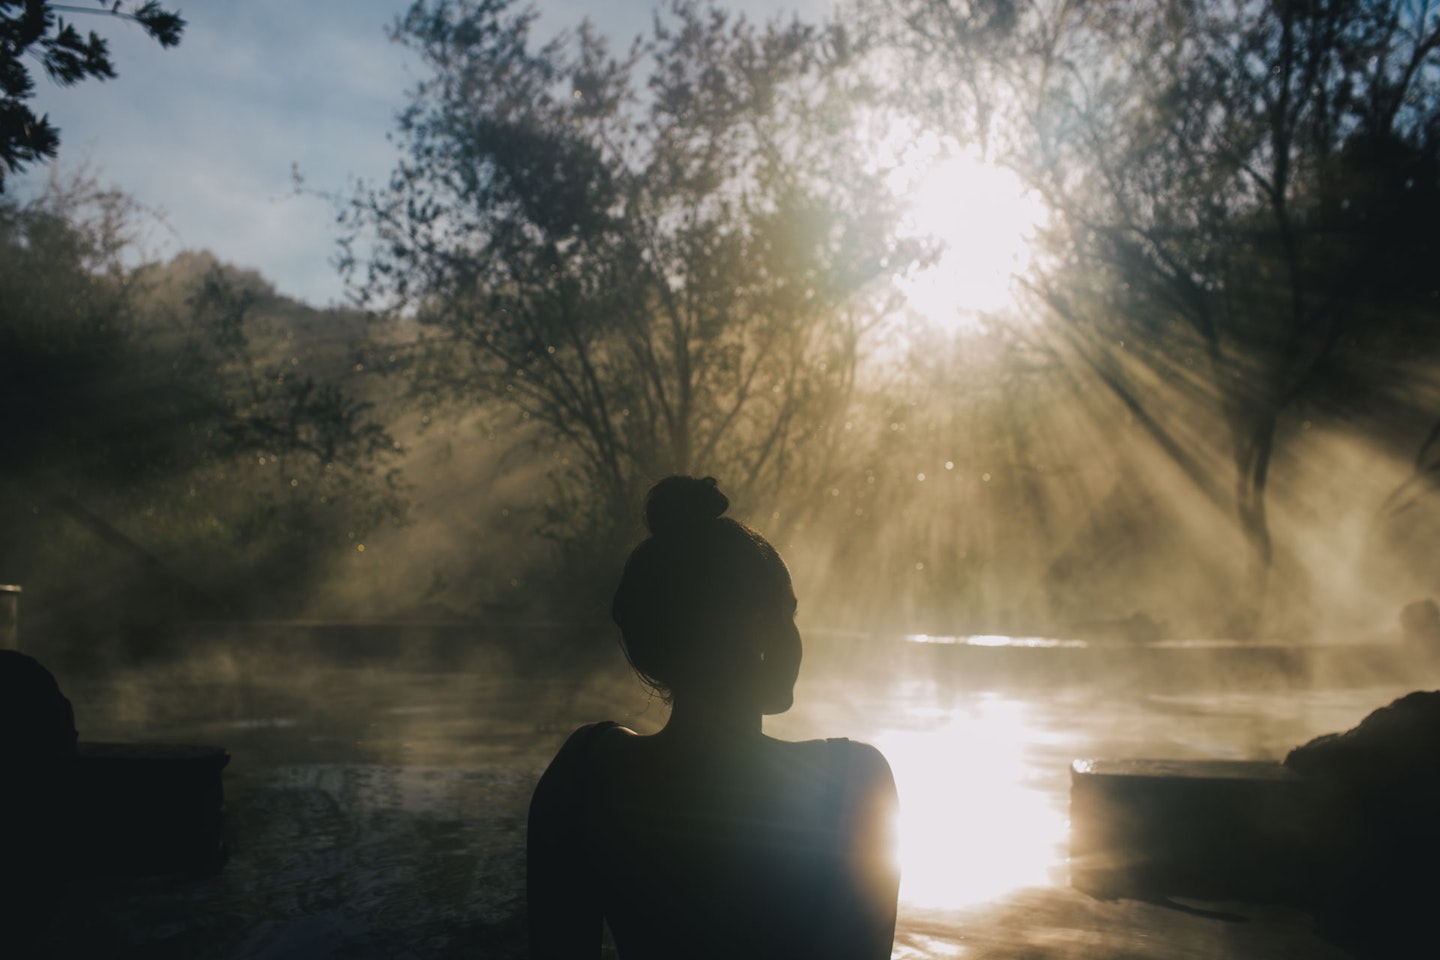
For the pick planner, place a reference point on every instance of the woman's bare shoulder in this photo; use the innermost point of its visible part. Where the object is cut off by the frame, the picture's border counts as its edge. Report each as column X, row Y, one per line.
column 862, row 764
column 867, row 759
column 856, row 752
column 852, row 760
column 575, row 754
column 587, row 738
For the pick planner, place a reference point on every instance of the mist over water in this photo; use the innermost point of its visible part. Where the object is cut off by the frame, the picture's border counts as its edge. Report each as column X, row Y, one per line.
column 376, row 802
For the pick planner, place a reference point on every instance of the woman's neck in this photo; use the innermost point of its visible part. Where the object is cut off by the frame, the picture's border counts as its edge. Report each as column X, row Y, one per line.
column 703, row 718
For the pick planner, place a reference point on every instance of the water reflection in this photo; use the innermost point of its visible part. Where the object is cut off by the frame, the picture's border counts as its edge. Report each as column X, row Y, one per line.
column 390, row 803
column 996, row 640
column 974, row 824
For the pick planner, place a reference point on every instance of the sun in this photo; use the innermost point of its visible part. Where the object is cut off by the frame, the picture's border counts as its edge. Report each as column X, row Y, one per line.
column 982, row 217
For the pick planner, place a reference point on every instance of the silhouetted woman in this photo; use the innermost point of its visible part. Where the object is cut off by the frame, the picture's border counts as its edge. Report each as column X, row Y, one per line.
column 710, row 839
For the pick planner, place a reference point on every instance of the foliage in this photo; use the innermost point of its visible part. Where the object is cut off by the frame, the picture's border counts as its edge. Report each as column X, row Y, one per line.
column 35, row 29
column 667, row 259
column 1245, row 196
column 171, row 423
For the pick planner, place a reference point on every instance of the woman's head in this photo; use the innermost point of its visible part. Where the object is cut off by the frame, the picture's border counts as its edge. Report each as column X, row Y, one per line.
column 705, row 602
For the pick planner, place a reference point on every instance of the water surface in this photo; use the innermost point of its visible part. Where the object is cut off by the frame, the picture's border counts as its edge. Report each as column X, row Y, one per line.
column 377, row 809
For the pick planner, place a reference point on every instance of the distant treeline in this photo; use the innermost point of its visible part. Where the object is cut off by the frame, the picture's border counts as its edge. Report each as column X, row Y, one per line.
column 180, row 441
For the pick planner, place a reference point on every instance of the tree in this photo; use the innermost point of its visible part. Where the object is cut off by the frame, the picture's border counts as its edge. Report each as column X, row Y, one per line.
column 171, row 433
column 1245, row 193
column 35, row 29
column 666, row 259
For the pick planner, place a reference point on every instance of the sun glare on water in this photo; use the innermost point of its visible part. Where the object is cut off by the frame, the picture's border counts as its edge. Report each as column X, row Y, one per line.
column 972, row 828
column 982, row 216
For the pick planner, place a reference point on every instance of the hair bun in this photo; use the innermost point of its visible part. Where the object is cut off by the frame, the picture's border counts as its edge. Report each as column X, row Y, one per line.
column 678, row 505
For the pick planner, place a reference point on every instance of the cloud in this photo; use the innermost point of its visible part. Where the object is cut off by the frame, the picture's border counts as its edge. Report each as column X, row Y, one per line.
column 209, row 131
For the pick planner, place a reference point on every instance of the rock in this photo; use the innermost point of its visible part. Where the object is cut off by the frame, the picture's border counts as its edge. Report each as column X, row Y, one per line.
column 37, row 750
column 1208, row 829
column 37, row 723
column 1377, row 834
column 1397, row 746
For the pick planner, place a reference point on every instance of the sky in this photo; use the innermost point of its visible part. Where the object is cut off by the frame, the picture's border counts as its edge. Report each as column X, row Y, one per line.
column 207, row 134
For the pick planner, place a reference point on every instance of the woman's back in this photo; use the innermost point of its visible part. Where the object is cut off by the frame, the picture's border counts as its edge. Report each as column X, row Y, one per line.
column 710, row 839
column 749, row 847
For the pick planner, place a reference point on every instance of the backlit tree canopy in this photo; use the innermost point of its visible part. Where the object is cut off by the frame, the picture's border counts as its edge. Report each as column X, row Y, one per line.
column 666, row 257
column 1246, row 198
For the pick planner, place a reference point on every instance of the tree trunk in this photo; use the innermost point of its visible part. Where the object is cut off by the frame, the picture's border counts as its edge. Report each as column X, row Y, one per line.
column 1254, row 438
